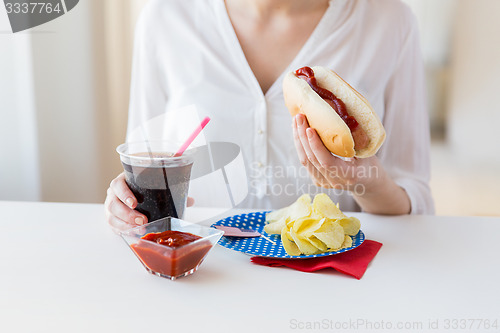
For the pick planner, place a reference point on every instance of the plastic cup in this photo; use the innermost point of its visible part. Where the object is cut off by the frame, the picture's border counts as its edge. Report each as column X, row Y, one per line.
column 159, row 181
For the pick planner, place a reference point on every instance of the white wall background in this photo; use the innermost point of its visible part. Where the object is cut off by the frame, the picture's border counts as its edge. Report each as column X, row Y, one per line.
column 68, row 131
column 53, row 139
column 461, row 44
column 19, row 165
column 436, row 21
column 474, row 111
column 461, row 39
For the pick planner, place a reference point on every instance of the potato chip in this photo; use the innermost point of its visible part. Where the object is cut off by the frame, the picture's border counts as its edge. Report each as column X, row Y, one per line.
column 315, row 215
column 325, row 207
column 275, row 228
column 304, row 223
column 309, row 226
column 276, row 215
column 290, row 247
column 347, row 242
column 303, row 244
column 300, row 208
column 331, row 233
column 317, row 243
column 351, row 225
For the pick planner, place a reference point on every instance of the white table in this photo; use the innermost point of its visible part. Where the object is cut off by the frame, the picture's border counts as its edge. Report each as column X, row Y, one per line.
column 63, row 270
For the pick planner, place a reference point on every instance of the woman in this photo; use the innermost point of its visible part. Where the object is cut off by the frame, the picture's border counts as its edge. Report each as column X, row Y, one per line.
column 229, row 58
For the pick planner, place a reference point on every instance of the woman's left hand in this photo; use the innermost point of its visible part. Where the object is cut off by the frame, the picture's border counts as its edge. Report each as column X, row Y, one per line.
column 328, row 170
column 366, row 178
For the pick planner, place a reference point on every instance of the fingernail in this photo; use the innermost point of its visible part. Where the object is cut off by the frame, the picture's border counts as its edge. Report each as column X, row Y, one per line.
column 309, row 133
column 139, row 221
column 130, row 202
column 299, row 120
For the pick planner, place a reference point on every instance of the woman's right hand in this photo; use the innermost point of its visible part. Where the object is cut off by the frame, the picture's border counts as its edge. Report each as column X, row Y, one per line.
column 119, row 206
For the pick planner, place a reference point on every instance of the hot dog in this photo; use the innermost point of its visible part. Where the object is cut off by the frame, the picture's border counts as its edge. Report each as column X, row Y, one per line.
column 342, row 117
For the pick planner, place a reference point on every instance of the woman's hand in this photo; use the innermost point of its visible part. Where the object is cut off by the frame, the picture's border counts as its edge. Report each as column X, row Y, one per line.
column 120, row 206
column 372, row 188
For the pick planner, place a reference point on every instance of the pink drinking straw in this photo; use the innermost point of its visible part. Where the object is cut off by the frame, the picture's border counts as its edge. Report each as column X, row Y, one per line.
column 193, row 136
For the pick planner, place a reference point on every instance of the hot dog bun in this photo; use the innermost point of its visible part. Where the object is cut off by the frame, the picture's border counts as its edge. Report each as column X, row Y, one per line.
column 333, row 131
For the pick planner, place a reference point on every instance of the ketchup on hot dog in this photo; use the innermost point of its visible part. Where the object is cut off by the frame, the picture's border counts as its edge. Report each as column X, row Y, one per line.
column 307, row 74
column 359, row 136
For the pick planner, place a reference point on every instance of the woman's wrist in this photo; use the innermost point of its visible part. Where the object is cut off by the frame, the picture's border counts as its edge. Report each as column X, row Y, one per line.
column 383, row 196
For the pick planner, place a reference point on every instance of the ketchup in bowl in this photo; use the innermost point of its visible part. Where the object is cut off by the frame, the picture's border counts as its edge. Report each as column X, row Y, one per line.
column 171, row 263
column 166, row 247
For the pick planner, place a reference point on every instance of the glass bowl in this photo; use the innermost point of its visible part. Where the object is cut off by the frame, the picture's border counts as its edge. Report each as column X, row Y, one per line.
column 171, row 262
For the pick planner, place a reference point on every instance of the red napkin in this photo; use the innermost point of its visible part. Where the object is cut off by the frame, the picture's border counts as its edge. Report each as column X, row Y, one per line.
column 353, row 262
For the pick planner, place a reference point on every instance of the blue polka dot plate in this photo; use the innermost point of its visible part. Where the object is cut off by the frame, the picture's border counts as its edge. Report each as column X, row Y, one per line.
column 267, row 245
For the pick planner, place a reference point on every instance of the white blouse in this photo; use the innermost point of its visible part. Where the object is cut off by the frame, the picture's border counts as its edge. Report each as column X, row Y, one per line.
column 187, row 54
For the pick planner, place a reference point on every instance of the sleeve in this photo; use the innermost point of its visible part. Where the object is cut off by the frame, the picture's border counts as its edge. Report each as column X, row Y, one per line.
column 148, row 91
column 406, row 152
